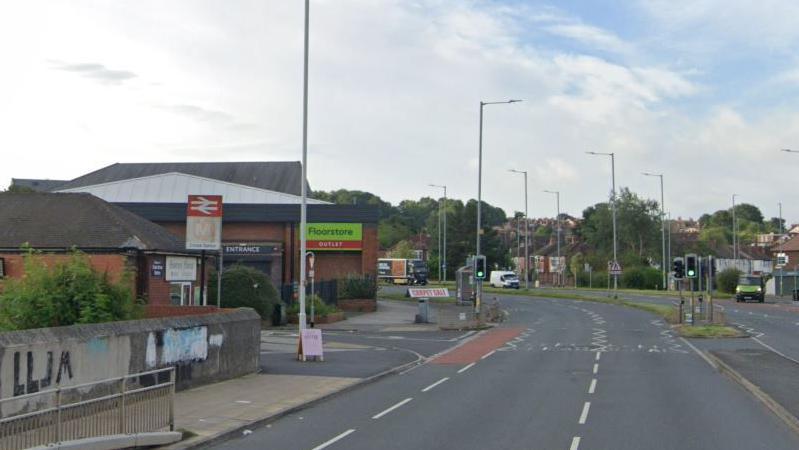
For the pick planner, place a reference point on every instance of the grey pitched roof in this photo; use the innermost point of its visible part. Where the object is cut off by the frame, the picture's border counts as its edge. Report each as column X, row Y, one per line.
column 47, row 220
column 279, row 176
column 38, row 185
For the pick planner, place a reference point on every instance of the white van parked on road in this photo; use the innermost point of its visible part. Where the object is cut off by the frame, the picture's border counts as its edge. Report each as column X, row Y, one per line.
column 504, row 279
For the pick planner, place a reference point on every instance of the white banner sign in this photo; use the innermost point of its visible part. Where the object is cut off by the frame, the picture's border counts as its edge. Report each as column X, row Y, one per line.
column 180, row 268
column 428, row 292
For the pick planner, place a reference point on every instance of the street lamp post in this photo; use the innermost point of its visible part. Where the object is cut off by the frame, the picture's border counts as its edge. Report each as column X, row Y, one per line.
column 662, row 225
column 526, row 233
column 734, row 233
column 479, row 290
column 613, row 208
column 442, row 254
column 782, row 229
column 557, row 220
column 303, row 188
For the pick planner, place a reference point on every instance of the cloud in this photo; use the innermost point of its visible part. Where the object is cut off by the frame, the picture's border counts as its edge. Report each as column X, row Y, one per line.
column 199, row 113
column 96, row 72
column 591, row 36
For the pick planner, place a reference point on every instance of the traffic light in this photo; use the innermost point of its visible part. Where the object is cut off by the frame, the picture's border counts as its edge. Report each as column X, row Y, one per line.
column 691, row 266
column 480, row 267
column 679, row 268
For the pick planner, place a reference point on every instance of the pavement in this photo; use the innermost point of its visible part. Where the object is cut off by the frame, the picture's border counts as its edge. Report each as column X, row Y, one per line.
column 559, row 374
column 358, row 351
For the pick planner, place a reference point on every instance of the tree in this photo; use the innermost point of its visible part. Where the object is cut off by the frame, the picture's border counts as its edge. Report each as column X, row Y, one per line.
column 403, row 249
column 66, row 293
column 244, row 286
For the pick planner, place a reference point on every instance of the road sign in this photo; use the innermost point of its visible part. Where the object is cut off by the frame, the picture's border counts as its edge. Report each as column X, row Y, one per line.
column 204, row 222
column 614, row 268
column 428, row 292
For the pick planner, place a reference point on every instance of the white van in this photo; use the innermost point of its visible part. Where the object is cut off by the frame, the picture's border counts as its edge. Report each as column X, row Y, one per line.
column 504, row 279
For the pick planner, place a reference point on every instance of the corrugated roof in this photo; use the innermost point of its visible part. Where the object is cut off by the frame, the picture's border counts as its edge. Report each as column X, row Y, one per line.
column 176, row 212
column 38, row 185
column 46, row 220
column 279, row 176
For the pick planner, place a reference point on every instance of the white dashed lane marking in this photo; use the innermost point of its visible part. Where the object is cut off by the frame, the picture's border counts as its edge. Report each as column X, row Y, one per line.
column 575, row 443
column 379, row 415
column 584, row 414
column 435, row 384
column 464, row 369
column 334, row 440
column 592, row 388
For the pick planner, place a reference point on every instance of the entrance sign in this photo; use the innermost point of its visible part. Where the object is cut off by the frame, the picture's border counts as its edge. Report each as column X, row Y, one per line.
column 428, row 292
column 180, row 268
column 204, row 222
column 334, row 236
column 310, row 344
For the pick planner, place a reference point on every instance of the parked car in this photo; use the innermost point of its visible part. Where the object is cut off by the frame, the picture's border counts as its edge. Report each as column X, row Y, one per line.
column 504, row 279
column 750, row 287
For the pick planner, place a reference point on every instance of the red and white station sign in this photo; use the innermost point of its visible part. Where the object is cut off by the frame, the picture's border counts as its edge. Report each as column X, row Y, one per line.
column 204, row 222
column 205, row 206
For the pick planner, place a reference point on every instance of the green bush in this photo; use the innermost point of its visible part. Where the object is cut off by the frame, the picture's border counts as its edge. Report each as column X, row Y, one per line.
column 68, row 293
column 357, row 287
column 642, row 278
column 727, row 280
column 597, row 280
column 321, row 309
column 244, row 286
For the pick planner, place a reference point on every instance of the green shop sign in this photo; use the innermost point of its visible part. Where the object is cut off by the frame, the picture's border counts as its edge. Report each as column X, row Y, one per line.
column 334, row 232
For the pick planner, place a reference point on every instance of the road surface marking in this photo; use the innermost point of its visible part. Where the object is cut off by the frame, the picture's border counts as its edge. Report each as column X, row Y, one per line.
column 598, row 354
column 592, row 388
column 699, row 352
column 334, row 440
column 377, row 416
column 575, row 443
column 466, row 368
column 584, row 415
column 488, row 354
column 435, row 384
column 754, row 338
column 596, row 368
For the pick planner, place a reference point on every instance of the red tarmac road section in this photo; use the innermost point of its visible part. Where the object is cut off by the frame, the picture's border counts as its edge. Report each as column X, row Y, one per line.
column 476, row 348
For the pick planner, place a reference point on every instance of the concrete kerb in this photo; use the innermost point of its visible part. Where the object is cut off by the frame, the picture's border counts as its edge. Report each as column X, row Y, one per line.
column 235, row 432
column 778, row 410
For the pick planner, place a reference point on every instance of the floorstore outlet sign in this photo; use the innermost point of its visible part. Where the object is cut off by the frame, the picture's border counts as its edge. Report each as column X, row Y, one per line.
column 334, row 236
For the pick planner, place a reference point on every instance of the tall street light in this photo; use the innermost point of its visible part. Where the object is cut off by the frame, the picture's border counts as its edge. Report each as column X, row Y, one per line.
column 734, row 233
column 526, row 232
column 613, row 207
column 442, row 255
column 557, row 209
column 662, row 225
column 479, row 290
column 303, row 189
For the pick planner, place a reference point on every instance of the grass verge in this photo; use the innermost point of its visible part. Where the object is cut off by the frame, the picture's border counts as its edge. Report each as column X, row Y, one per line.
column 709, row 331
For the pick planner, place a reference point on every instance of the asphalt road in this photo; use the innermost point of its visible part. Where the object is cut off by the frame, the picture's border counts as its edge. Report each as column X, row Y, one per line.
column 564, row 375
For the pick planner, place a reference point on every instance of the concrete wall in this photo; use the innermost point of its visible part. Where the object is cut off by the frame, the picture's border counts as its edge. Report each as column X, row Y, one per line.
column 204, row 348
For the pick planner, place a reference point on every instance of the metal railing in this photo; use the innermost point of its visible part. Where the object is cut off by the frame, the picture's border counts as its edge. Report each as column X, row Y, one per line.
column 136, row 403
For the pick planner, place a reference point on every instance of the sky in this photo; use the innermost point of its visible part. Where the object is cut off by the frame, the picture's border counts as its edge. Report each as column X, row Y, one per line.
column 704, row 91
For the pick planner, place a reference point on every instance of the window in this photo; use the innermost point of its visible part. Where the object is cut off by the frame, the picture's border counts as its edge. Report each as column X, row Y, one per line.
column 180, row 293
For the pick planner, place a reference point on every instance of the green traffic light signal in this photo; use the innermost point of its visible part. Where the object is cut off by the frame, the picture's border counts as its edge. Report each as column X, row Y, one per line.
column 691, row 273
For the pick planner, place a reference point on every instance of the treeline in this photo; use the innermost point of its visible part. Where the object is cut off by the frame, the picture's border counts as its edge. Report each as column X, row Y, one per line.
column 399, row 224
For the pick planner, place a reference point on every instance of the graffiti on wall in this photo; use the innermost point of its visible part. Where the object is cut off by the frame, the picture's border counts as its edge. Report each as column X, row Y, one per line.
column 179, row 346
column 26, row 384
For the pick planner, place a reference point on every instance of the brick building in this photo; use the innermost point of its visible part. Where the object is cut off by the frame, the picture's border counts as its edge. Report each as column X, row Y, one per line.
column 114, row 239
column 260, row 226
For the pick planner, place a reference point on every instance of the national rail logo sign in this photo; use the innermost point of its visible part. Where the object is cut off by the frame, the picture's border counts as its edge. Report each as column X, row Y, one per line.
column 334, row 236
column 204, row 222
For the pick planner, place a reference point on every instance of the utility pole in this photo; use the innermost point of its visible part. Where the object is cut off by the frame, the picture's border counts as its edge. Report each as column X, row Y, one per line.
column 526, row 233
column 557, row 221
column 479, row 290
column 734, row 233
column 303, row 188
column 662, row 227
column 442, row 256
column 613, row 209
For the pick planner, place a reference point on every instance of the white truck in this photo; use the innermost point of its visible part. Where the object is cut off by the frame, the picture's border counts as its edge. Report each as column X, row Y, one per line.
column 504, row 279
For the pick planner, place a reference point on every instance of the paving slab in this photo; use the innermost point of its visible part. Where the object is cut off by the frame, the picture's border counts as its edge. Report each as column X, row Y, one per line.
column 213, row 410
